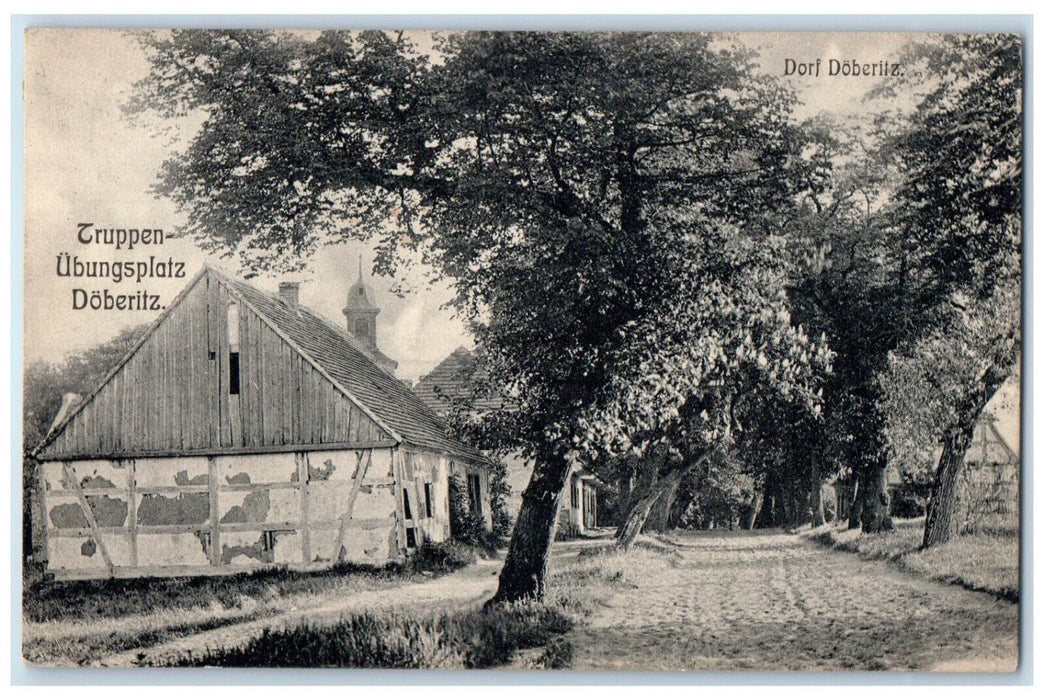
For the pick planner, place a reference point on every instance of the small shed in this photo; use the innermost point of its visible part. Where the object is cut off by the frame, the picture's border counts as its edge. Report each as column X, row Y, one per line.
column 579, row 514
column 242, row 431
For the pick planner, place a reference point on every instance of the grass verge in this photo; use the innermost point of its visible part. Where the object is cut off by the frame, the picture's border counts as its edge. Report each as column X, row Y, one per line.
column 986, row 561
column 45, row 600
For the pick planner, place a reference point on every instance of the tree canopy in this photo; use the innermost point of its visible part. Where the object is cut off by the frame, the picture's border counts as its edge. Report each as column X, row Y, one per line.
column 651, row 254
column 582, row 190
column 960, row 204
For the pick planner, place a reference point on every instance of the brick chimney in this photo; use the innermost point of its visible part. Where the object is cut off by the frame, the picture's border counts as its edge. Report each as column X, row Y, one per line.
column 289, row 292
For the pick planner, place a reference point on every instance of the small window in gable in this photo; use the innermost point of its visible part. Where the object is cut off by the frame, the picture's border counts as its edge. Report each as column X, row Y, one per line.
column 233, row 349
column 233, row 373
column 233, row 327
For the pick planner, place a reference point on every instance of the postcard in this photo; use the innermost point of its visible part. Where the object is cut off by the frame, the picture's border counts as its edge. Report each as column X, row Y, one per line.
column 592, row 350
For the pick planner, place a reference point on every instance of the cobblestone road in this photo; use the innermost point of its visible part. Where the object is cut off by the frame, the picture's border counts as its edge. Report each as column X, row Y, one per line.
column 779, row 602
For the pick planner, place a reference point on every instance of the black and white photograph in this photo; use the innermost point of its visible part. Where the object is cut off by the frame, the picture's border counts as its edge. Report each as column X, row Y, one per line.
column 522, row 350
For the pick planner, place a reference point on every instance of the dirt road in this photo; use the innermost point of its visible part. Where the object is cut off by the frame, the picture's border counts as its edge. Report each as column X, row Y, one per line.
column 779, row 602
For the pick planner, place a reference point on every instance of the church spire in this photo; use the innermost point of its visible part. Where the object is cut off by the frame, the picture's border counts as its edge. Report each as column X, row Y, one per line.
column 360, row 312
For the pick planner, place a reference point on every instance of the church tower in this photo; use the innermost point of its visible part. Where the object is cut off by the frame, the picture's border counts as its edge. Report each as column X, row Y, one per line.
column 360, row 313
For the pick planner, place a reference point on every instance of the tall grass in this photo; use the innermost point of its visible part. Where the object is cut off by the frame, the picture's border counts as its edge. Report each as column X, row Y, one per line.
column 988, row 563
column 80, row 621
column 44, row 600
column 473, row 639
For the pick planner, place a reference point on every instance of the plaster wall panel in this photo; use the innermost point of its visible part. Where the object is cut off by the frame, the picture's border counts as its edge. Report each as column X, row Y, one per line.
column 171, row 471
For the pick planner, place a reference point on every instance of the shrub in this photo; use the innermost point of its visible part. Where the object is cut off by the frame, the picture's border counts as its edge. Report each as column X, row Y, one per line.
column 909, row 498
column 499, row 490
column 364, row 640
column 496, row 634
column 442, row 557
column 465, row 526
column 557, row 654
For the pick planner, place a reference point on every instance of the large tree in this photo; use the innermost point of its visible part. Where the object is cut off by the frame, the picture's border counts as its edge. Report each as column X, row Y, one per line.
column 935, row 391
column 557, row 179
column 960, row 204
column 705, row 355
column 911, row 232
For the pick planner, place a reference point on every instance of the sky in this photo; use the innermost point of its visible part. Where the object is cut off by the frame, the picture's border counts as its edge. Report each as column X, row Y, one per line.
column 85, row 163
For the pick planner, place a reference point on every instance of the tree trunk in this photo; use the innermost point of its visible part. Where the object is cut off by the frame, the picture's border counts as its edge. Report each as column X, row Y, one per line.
column 786, row 509
column 941, row 523
column 818, row 516
column 677, row 512
column 752, row 513
column 632, row 524
column 854, row 507
column 636, row 518
column 524, row 574
column 843, row 488
column 764, row 516
column 818, row 509
column 768, row 515
column 661, row 510
column 840, row 493
column 875, row 515
column 803, row 508
column 640, row 486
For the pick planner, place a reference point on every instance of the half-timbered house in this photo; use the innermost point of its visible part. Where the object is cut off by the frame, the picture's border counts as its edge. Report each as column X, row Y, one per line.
column 244, row 430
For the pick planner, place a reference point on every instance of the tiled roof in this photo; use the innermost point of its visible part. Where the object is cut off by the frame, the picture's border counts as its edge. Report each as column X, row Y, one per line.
column 455, row 379
column 377, row 356
column 346, row 362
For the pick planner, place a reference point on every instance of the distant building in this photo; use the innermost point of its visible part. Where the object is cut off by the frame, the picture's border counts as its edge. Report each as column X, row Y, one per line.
column 455, row 384
column 990, row 484
column 241, row 431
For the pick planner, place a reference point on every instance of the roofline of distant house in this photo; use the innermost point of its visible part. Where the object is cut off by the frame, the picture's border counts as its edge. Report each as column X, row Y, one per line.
column 476, row 457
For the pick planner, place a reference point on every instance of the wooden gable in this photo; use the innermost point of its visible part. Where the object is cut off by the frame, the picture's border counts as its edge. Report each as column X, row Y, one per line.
column 174, row 393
